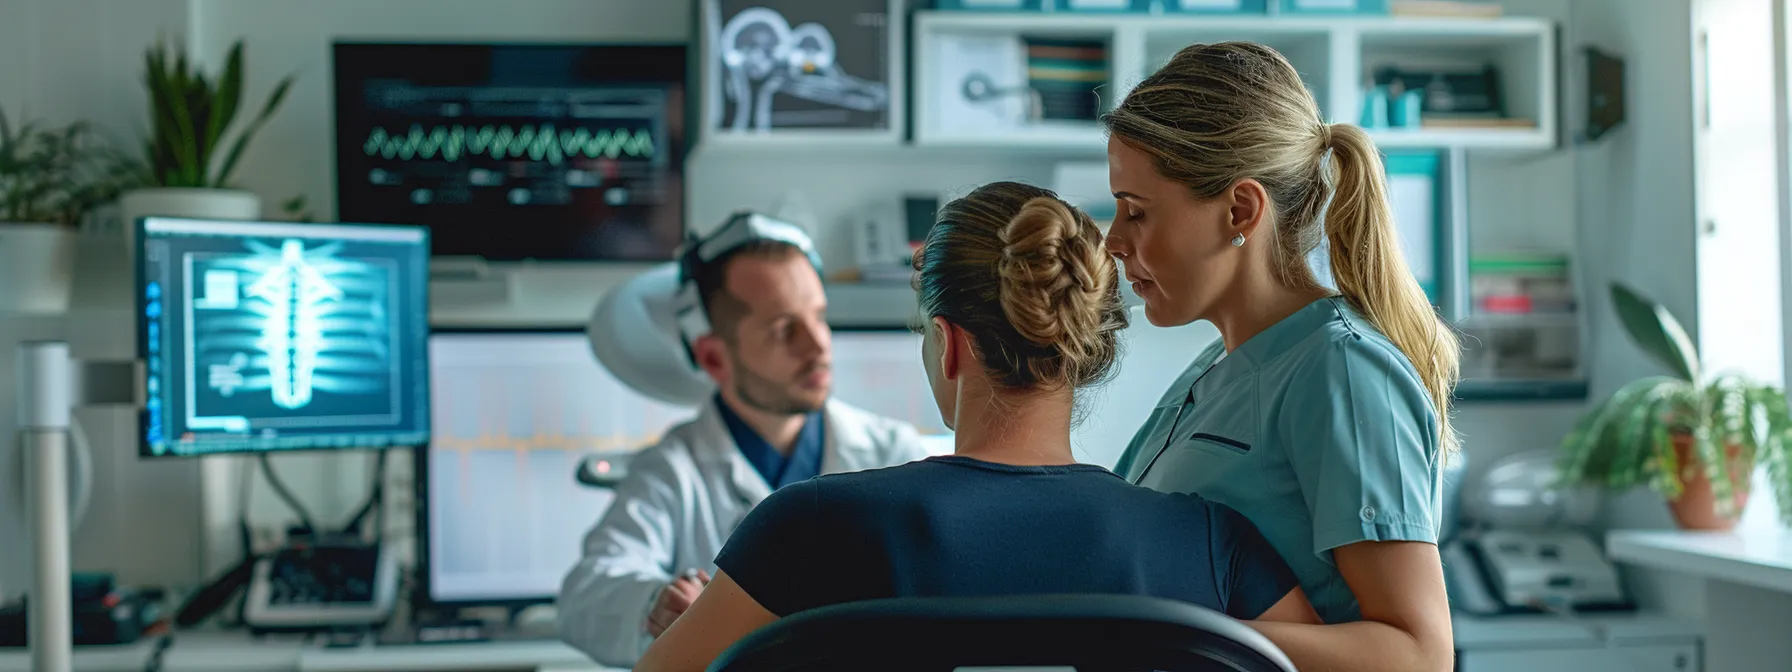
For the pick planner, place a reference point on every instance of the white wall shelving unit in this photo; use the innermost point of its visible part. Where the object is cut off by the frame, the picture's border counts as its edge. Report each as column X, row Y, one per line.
column 1335, row 55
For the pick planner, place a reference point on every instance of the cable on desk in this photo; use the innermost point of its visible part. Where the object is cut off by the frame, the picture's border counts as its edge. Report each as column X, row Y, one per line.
column 267, row 470
column 154, row 663
column 245, row 534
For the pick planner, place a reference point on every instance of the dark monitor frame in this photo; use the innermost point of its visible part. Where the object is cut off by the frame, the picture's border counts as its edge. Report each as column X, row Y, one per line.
column 139, row 234
column 692, row 108
column 423, row 597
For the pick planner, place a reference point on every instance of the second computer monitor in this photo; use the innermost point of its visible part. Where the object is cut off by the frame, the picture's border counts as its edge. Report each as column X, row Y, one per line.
column 516, row 413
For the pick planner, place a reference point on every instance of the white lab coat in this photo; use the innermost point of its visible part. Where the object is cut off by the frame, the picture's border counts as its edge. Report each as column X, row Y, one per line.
column 675, row 510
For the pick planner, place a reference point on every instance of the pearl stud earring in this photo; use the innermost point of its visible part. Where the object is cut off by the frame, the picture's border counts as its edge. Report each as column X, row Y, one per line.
column 1238, row 240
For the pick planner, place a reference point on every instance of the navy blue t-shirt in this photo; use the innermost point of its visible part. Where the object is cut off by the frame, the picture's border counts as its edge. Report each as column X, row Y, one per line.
column 955, row 527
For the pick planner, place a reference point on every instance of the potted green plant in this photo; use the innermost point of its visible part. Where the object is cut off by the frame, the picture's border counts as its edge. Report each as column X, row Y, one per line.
column 1694, row 437
column 194, row 145
column 51, row 179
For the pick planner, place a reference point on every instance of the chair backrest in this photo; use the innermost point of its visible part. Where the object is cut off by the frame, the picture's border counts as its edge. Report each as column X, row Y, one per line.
column 1108, row 633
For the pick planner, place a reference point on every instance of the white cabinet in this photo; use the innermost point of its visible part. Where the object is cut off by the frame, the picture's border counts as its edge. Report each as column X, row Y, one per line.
column 1654, row 658
column 1619, row 642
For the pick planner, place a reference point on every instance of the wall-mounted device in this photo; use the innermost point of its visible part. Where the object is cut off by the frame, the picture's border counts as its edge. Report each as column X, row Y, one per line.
column 1605, row 93
column 918, row 212
column 512, row 151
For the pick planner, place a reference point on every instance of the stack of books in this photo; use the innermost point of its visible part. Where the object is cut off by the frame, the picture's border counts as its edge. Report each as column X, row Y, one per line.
column 1066, row 74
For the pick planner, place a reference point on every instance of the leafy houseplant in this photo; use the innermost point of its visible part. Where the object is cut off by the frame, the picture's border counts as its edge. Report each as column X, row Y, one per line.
column 191, row 115
column 56, row 175
column 195, row 141
column 51, row 178
column 1694, row 439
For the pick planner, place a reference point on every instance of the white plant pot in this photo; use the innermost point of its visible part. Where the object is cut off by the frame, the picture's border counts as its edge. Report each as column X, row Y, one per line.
column 194, row 203
column 37, row 264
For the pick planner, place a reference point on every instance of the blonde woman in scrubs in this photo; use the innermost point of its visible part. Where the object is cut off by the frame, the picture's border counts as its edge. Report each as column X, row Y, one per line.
column 1321, row 416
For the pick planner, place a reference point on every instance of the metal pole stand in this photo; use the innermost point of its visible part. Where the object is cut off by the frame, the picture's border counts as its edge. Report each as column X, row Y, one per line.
column 45, row 399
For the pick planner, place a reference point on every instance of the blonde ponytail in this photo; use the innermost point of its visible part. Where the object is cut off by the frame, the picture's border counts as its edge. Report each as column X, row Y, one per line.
column 1371, row 272
column 1219, row 113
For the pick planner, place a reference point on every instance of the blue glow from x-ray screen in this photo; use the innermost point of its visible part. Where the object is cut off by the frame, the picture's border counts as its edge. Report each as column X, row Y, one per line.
column 268, row 336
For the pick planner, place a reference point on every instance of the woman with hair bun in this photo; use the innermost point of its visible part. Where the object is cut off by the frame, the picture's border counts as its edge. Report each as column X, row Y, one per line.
column 1321, row 415
column 1022, row 308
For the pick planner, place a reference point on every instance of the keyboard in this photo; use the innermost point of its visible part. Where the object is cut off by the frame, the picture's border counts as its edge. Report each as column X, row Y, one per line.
column 315, row 588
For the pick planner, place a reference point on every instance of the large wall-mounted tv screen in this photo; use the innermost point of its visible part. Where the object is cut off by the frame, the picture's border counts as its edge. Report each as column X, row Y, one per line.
column 516, row 151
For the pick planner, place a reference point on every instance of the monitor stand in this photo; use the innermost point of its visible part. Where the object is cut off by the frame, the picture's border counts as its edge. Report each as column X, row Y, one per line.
column 45, row 402
column 51, row 384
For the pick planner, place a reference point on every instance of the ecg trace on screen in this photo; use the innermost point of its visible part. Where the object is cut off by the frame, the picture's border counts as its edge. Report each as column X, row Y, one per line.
column 512, row 392
column 514, row 414
column 537, row 142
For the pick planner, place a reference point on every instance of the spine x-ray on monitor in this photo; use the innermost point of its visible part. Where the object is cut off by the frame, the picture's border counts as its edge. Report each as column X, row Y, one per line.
column 261, row 336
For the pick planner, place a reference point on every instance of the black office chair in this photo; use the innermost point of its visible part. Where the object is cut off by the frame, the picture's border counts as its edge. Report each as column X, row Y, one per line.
column 1099, row 633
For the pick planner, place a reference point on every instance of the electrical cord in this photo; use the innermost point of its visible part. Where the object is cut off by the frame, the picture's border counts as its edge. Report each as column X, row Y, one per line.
column 245, row 534
column 154, row 663
column 376, row 499
column 267, row 470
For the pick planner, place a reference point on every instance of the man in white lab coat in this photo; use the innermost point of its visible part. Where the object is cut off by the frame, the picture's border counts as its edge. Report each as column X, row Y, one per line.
column 771, row 423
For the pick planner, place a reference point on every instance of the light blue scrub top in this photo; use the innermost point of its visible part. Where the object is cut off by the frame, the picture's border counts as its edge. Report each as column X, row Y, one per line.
column 1317, row 430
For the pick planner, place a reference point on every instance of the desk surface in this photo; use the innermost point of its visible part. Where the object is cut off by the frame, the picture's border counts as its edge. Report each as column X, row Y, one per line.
column 236, row 652
column 1759, row 559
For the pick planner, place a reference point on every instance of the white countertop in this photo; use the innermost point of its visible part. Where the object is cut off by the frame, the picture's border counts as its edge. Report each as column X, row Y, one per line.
column 1533, row 631
column 238, row 652
column 1762, row 559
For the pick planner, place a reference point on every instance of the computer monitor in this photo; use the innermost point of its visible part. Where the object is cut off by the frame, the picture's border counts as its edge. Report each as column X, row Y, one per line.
column 880, row 370
column 264, row 336
column 516, row 151
column 516, row 413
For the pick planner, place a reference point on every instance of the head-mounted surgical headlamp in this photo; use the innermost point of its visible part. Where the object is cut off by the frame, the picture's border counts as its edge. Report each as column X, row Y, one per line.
column 740, row 229
column 644, row 330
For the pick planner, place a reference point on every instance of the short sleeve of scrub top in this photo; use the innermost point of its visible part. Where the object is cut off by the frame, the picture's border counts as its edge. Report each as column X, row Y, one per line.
column 1361, row 437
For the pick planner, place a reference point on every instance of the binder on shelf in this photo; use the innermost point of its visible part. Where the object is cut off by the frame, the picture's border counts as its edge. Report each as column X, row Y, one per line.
column 1105, row 5
column 1330, row 6
column 1216, row 6
column 992, row 5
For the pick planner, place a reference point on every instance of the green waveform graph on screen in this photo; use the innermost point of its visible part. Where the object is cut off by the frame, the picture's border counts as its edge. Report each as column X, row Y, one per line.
column 542, row 142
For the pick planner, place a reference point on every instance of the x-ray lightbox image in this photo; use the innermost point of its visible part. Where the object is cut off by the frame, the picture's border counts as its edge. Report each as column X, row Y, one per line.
column 808, row 64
